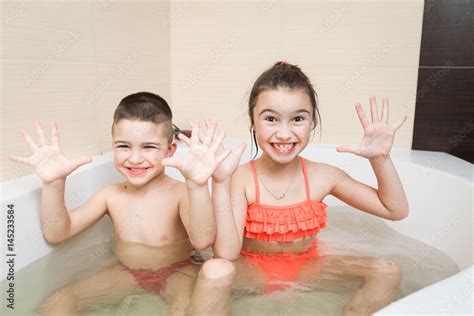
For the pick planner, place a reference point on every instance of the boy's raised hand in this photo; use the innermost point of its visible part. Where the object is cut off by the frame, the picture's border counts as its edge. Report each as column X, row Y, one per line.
column 202, row 158
column 378, row 135
column 47, row 159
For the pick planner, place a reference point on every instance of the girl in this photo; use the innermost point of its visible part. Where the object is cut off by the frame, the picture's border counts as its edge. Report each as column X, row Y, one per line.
column 271, row 209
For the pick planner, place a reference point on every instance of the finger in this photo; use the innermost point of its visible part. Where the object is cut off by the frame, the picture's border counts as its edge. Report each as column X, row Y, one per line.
column 347, row 149
column 81, row 161
column 29, row 140
column 373, row 109
column 184, row 138
column 400, row 122
column 215, row 146
column 239, row 150
column 171, row 162
column 55, row 135
column 223, row 155
column 40, row 133
column 363, row 119
column 211, row 130
column 194, row 124
column 23, row 160
column 215, row 133
column 385, row 110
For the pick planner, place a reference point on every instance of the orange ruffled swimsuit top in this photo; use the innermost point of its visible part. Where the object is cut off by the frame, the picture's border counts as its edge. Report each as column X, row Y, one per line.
column 284, row 223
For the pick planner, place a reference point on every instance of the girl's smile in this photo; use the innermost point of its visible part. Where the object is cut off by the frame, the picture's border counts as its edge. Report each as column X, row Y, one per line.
column 283, row 122
column 283, row 148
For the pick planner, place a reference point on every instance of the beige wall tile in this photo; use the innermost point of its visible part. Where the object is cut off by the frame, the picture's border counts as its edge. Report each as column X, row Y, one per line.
column 340, row 123
column 138, row 26
column 338, row 89
column 116, row 48
column 367, row 52
column 117, row 84
column 246, row 33
column 48, row 31
column 59, row 94
column 220, row 93
column 348, row 33
column 203, row 57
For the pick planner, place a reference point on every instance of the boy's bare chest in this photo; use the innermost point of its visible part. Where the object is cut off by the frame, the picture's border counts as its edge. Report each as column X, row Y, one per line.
column 148, row 219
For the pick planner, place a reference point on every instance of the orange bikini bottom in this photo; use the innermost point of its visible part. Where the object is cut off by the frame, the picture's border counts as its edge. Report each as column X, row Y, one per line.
column 281, row 267
column 154, row 281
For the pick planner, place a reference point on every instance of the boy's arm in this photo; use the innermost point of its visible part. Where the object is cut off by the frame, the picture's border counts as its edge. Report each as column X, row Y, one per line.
column 57, row 223
column 197, row 167
column 52, row 168
column 197, row 215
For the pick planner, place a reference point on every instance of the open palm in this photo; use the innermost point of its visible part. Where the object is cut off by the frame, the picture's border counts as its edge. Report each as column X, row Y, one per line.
column 47, row 159
column 202, row 158
column 227, row 167
column 378, row 135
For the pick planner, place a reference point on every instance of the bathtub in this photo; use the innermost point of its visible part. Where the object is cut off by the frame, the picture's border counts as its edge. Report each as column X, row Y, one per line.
column 439, row 188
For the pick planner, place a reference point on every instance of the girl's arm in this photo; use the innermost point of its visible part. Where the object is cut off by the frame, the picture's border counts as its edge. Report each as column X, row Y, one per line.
column 389, row 200
column 230, row 206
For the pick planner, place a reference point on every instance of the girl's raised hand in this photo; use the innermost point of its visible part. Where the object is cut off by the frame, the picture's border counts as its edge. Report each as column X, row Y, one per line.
column 47, row 159
column 227, row 167
column 202, row 158
column 378, row 135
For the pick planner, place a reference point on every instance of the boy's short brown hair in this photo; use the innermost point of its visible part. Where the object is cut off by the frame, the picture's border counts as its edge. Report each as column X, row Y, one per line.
column 146, row 107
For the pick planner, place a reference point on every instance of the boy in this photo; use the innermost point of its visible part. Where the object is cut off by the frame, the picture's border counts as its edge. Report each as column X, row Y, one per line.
column 152, row 214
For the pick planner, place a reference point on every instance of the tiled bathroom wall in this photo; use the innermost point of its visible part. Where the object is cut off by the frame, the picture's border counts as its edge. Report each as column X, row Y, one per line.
column 73, row 61
column 349, row 49
column 444, row 118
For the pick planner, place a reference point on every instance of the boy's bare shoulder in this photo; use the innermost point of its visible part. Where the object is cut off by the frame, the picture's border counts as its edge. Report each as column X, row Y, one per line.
column 110, row 189
column 175, row 186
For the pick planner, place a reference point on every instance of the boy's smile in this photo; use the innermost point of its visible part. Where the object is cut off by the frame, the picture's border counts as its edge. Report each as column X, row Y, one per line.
column 139, row 148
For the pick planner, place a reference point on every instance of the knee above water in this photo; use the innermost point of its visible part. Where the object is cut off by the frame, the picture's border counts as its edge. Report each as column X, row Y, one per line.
column 60, row 299
column 387, row 267
column 217, row 268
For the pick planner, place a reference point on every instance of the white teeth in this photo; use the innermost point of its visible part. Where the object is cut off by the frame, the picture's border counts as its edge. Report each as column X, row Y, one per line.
column 283, row 147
